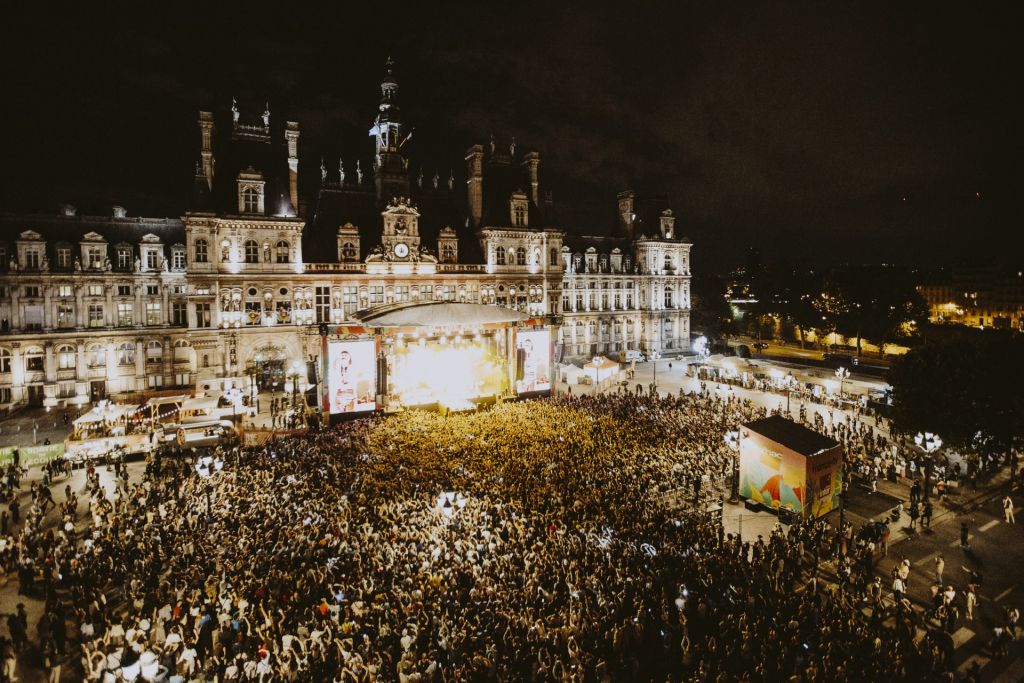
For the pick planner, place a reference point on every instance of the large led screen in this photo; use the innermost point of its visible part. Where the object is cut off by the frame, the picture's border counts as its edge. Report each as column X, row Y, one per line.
column 535, row 348
column 351, row 376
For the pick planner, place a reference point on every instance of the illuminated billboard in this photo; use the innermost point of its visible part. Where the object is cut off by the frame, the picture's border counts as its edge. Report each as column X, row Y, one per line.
column 533, row 354
column 351, row 376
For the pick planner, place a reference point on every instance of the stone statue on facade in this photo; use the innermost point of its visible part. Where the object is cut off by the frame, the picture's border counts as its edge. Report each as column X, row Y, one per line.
column 323, row 171
column 512, row 147
column 78, row 265
column 266, row 115
column 234, row 110
column 164, row 265
column 341, row 172
column 45, row 265
column 107, row 265
column 13, row 265
column 359, row 172
column 138, row 264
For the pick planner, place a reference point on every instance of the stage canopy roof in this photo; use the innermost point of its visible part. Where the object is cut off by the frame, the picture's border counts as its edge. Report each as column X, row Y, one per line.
column 437, row 313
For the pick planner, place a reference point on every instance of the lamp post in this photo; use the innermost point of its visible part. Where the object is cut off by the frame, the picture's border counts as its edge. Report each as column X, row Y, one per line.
column 790, row 381
column 928, row 443
column 842, row 374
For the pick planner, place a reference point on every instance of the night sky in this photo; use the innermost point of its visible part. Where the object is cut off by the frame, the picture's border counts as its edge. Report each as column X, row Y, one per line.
column 820, row 133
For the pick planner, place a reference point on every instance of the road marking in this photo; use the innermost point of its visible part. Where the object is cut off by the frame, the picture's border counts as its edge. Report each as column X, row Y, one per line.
column 1004, row 594
column 989, row 525
column 961, row 636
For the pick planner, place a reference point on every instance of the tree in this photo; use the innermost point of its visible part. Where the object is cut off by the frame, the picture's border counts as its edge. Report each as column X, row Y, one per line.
column 965, row 388
column 711, row 314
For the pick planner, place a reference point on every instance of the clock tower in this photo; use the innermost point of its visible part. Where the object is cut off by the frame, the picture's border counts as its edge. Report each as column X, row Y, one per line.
column 401, row 238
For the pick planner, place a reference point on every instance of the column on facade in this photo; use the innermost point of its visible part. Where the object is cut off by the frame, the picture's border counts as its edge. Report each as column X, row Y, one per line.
column 17, row 369
column 165, row 310
column 49, row 363
column 81, row 368
column 15, row 308
column 49, row 319
column 140, row 309
column 168, row 361
column 140, row 365
column 108, row 308
column 80, row 306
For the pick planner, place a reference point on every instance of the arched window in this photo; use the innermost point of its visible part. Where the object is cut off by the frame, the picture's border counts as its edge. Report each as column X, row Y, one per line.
column 182, row 350
column 520, row 256
column 126, row 354
column 97, row 356
column 499, row 256
column 282, row 252
column 668, row 261
column 250, row 200
column 448, row 253
column 66, row 359
column 348, row 251
column 252, row 251
column 202, row 251
column 5, row 361
column 668, row 298
column 554, row 256
column 154, row 352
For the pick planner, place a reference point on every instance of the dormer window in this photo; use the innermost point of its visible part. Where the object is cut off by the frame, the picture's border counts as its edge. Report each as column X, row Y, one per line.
column 250, row 200
column 519, row 210
column 178, row 259
column 152, row 259
column 250, row 191
column 348, row 251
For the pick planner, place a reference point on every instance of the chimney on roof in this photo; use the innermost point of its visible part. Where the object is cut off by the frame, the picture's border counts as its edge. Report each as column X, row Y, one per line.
column 120, row 212
column 68, row 210
column 474, row 183
column 532, row 162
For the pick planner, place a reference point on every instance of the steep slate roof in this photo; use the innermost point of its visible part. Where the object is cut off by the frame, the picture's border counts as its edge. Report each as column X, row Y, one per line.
column 56, row 227
column 794, row 436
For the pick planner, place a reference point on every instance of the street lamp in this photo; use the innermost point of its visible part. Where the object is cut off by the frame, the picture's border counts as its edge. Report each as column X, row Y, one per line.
column 790, row 382
column 928, row 443
column 842, row 374
column 732, row 439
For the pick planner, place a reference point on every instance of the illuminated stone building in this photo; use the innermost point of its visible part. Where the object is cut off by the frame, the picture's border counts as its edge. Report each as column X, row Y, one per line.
column 233, row 291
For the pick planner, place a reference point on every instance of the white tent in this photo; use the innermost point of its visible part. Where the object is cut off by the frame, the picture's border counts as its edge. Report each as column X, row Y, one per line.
column 601, row 368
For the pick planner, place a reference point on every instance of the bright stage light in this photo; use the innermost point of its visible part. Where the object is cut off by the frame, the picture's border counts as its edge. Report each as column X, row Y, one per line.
column 442, row 373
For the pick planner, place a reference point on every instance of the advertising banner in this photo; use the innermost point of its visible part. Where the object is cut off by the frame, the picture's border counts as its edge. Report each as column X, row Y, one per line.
column 534, row 348
column 31, row 455
column 771, row 474
column 351, row 376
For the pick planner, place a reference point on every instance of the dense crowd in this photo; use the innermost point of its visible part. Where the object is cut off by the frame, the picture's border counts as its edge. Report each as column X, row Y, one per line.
column 525, row 542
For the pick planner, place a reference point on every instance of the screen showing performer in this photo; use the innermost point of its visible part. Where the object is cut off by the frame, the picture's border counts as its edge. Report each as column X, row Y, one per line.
column 536, row 348
column 352, row 372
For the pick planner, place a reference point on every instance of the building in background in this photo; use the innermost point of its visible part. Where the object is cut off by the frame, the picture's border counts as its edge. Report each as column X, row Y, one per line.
column 231, row 294
column 986, row 297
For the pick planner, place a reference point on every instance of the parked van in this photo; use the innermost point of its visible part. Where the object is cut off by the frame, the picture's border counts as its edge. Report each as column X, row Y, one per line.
column 627, row 356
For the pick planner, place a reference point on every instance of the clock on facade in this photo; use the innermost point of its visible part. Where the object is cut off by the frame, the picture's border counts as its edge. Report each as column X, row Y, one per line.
column 401, row 250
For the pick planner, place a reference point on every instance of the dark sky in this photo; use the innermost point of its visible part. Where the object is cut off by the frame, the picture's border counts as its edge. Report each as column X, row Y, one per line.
column 819, row 132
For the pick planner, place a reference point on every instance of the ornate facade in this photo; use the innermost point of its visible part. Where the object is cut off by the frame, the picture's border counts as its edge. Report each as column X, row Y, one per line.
column 233, row 291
